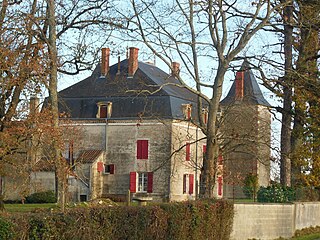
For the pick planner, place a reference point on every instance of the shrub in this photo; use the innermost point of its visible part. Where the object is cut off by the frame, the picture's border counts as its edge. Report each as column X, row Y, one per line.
column 189, row 220
column 251, row 186
column 276, row 194
column 42, row 197
column 6, row 231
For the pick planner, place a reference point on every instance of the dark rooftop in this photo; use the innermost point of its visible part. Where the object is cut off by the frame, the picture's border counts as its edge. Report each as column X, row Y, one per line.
column 89, row 156
column 150, row 93
column 252, row 93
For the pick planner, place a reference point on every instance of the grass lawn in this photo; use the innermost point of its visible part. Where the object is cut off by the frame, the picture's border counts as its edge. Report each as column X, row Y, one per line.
column 315, row 236
column 28, row 207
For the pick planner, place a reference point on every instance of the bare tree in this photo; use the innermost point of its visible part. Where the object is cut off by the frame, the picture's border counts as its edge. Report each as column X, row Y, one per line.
column 203, row 35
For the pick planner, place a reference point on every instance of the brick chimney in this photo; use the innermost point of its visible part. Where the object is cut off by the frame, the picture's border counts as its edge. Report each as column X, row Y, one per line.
column 133, row 61
column 175, row 67
column 239, row 85
column 105, row 55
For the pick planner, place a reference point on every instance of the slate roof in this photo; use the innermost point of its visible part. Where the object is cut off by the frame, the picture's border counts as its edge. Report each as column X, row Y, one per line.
column 252, row 92
column 130, row 97
column 89, row 156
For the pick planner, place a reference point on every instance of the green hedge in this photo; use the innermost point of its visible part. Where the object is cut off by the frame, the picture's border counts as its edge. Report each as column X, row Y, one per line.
column 6, row 230
column 189, row 220
column 276, row 194
column 42, row 197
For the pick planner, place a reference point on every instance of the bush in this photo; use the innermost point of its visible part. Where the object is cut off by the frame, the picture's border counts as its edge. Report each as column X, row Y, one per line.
column 42, row 197
column 251, row 186
column 189, row 220
column 6, row 231
column 276, row 194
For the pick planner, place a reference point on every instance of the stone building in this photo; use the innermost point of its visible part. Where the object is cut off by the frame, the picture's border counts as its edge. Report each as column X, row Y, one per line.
column 136, row 131
column 142, row 122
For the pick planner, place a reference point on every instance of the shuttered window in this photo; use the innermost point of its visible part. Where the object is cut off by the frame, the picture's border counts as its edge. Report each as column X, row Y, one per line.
column 141, row 182
column 109, row 169
column 188, row 152
column 142, row 149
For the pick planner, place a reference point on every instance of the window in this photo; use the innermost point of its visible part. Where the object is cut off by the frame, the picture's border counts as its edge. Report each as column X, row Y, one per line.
column 142, row 149
column 188, row 183
column 83, row 198
column 188, row 151
column 104, row 109
column 141, row 182
column 109, row 168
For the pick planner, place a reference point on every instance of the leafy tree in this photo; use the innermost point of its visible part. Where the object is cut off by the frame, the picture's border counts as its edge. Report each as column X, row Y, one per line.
column 305, row 138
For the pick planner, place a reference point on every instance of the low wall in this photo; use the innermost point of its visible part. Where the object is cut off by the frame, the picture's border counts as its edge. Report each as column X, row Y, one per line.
column 307, row 214
column 271, row 221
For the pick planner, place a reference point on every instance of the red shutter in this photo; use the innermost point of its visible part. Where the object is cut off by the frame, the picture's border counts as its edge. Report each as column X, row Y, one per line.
column 111, row 167
column 133, row 179
column 184, row 183
column 100, row 166
column 142, row 149
column 205, row 117
column 191, row 183
column 103, row 111
column 187, row 151
column 150, row 182
column 204, row 149
column 220, row 159
column 219, row 186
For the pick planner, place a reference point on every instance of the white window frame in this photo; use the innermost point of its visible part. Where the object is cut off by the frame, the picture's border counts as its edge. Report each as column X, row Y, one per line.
column 142, row 182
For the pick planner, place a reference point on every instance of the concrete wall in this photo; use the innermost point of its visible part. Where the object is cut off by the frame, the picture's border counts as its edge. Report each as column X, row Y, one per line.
column 271, row 221
column 307, row 214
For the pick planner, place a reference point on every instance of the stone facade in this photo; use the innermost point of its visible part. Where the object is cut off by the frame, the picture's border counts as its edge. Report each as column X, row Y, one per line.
column 166, row 159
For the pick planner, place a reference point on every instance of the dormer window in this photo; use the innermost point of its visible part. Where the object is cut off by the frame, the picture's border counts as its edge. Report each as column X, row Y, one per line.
column 187, row 110
column 104, row 109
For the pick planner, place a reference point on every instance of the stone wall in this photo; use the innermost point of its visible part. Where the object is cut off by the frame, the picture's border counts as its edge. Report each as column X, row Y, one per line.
column 271, row 221
column 182, row 133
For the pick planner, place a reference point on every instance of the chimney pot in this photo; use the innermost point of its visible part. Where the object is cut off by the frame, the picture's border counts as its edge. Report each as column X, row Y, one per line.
column 105, row 55
column 239, row 85
column 133, row 61
column 175, row 67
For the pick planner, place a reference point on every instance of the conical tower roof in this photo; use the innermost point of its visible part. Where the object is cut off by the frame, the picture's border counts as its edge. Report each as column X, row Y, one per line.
column 251, row 90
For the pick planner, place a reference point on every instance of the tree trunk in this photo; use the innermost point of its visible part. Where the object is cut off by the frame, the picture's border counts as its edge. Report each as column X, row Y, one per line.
column 53, row 96
column 285, row 161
